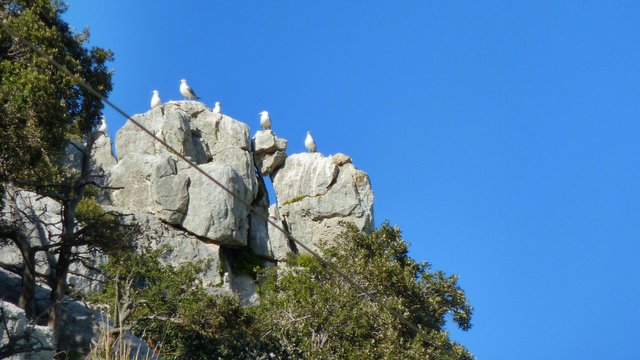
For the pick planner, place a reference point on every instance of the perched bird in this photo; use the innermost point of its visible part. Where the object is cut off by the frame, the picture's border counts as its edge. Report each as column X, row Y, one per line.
column 265, row 120
column 187, row 91
column 218, row 108
column 155, row 99
column 102, row 128
column 309, row 143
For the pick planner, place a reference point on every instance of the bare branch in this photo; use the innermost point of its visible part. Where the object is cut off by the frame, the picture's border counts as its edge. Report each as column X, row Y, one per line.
column 98, row 185
column 18, row 343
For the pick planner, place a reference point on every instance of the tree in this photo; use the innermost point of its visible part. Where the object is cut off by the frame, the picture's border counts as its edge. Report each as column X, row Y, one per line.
column 19, row 336
column 38, row 226
column 167, row 306
column 41, row 112
column 41, row 107
column 313, row 313
column 305, row 310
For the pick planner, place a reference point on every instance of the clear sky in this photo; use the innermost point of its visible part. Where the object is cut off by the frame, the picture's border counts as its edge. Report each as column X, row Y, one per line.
column 501, row 136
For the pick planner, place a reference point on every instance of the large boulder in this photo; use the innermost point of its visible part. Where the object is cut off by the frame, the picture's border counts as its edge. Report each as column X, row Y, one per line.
column 212, row 212
column 269, row 151
column 153, row 180
column 315, row 193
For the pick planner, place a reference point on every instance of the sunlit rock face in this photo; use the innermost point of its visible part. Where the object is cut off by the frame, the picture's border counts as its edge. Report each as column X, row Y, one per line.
column 315, row 193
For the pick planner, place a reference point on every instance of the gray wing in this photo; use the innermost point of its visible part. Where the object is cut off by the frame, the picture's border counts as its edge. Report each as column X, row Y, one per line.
column 192, row 93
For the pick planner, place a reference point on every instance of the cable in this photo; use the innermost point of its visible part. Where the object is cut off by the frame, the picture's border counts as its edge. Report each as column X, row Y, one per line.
column 260, row 214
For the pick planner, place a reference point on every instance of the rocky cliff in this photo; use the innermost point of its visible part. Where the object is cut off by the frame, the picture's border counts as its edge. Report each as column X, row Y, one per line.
column 178, row 206
column 313, row 192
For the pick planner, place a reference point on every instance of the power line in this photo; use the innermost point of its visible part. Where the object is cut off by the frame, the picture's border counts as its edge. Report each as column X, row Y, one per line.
column 78, row 80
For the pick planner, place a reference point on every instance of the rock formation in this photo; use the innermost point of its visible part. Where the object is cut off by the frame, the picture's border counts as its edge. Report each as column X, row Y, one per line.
column 178, row 206
column 155, row 181
column 315, row 193
column 269, row 151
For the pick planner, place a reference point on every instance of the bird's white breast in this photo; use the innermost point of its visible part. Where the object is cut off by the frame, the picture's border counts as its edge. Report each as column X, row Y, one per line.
column 184, row 89
column 265, row 122
column 309, row 143
column 155, row 100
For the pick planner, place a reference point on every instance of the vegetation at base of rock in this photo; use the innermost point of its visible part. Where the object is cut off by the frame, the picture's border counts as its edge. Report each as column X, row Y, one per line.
column 312, row 313
column 168, row 307
column 302, row 260
column 110, row 346
column 305, row 310
column 242, row 261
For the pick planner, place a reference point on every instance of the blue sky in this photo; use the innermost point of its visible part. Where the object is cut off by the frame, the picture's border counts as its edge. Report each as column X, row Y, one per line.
column 501, row 136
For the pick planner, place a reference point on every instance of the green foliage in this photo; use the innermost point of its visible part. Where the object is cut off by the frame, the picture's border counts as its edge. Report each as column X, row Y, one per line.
column 171, row 309
column 102, row 230
column 88, row 209
column 302, row 260
column 40, row 107
column 243, row 261
column 313, row 314
column 305, row 310
column 295, row 199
